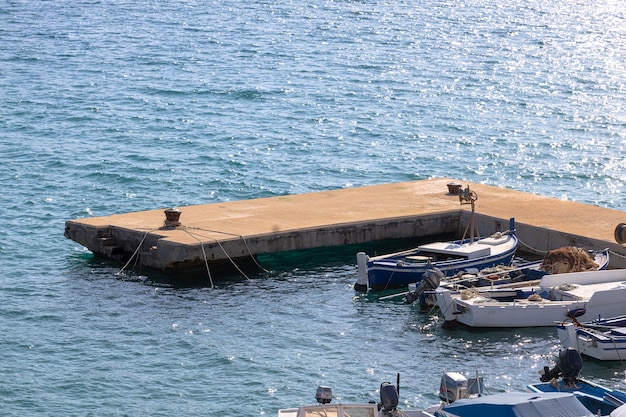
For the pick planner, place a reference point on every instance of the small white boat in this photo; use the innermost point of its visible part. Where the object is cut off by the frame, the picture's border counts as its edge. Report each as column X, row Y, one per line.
column 583, row 295
column 388, row 406
column 602, row 339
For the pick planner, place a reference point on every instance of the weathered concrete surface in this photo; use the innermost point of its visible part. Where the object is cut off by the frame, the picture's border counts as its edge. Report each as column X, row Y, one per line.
column 221, row 231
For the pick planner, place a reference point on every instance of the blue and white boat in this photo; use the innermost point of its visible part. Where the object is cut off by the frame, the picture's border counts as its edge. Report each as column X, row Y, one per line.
column 399, row 269
column 564, row 378
column 602, row 339
column 517, row 404
column 558, row 261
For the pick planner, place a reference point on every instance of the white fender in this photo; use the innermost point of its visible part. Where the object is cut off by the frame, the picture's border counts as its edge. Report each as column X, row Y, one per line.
column 572, row 337
column 361, row 272
column 446, row 303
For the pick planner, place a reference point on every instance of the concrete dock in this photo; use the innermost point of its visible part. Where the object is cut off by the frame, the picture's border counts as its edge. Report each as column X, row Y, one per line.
column 231, row 231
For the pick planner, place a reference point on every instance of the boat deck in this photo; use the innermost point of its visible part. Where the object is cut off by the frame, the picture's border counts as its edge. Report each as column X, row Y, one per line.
column 469, row 250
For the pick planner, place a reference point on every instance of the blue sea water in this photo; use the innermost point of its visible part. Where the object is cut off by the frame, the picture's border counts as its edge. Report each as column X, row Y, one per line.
column 111, row 106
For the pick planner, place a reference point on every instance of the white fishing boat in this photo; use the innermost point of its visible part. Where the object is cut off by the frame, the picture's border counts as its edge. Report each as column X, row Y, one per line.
column 584, row 295
column 602, row 339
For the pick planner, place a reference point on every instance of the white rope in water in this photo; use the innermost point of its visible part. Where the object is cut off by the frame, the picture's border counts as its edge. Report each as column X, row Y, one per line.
column 231, row 234
column 223, row 250
column 206, row 261
column 135, row 253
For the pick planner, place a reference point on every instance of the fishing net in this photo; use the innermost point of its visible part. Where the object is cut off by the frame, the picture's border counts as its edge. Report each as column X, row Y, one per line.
column 567, row 259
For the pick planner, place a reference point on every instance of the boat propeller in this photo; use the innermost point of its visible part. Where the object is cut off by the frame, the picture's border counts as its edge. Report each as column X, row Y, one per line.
column 568, row 366
column 431, row 278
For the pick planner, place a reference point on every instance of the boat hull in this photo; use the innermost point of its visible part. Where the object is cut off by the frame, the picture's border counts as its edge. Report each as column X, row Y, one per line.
column 605, row 344
column 395, row 272
column 599, row 294
column 594, row 397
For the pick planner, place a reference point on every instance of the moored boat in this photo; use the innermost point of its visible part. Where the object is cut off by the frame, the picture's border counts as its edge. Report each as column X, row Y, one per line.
column 399, row 269
column 562, row 260
column 388, row 406
column 564, row 377
column 602, row 339
column 584, row 295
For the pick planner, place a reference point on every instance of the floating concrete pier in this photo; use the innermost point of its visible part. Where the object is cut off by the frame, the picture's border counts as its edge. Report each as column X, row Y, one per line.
column 174, row 239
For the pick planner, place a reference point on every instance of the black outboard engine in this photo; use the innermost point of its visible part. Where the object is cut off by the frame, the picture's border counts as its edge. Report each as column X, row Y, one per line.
column 567, row 366
column 324, row 395
column 431, row 279
column 388, row 398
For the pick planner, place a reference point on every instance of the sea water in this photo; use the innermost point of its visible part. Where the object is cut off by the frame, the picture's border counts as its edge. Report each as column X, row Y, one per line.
column 112, row 106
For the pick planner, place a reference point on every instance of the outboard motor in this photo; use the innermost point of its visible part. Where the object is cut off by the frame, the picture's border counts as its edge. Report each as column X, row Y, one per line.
column 568, row 367
column 431, row 278
column 453, row 387
column 388, row 398
column 324, row 395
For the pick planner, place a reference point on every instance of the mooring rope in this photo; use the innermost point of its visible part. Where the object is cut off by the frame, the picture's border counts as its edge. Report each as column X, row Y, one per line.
column 576, row 323
column 531, row 248
column 223, row 250
column 243, row 239
column 389, row 280
column 206, row 261
column 136, row 251
column 617, row 350
column 435, row 306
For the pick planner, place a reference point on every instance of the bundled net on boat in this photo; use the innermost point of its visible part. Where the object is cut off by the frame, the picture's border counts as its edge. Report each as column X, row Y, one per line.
column 567, row 259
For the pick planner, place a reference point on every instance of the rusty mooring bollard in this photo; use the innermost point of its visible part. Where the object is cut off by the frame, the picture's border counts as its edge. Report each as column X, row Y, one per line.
column 620, row 233
column 172, row 217
column 454, row 188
